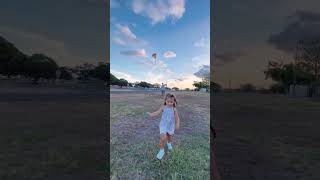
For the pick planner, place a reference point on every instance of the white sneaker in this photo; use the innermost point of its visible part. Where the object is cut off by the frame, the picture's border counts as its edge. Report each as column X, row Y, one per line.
column 169, row 145
column 160, row 154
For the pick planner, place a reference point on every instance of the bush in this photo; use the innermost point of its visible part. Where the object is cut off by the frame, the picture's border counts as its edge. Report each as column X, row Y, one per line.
column 247, row 87
column 278, row 88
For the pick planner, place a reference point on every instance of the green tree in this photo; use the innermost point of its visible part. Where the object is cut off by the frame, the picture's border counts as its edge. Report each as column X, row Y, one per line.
column 11, row 59
column 102, row 71
column 65, row 73
column 113, row 80
column 122, row 82
column 215, row 87
column 247, row 87
column 201, row 84
column 287, row 74
column 40, row 66
column 145, row 84
column 85, row 71
column 309, row 59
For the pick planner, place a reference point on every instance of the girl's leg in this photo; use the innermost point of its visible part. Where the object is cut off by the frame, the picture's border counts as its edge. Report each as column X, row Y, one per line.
column 163, row 140
column 169, row 138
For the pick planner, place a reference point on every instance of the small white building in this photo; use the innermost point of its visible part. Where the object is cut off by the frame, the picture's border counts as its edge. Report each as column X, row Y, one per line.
column 203, row 90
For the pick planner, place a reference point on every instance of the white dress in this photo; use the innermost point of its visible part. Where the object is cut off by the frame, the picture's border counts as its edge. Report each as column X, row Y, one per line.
column 167, row 123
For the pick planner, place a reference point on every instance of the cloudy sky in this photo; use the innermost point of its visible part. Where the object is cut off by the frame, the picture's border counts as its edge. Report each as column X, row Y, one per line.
column 177, row 30
column 70, row 31
column 248, row 33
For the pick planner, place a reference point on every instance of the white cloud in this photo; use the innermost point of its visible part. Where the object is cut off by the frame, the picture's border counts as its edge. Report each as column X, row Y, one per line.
column 202, row 43
column 138, row 53
column 160, row 10
column 185, row 81
column 119, row 41
column 169, row 54
column 123, row 75
column 124, row 35
column 199, row 61
column 138, row 6
column 125, row 30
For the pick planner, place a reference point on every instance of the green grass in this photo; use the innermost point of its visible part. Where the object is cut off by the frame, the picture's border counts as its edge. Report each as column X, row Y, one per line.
column 189, row 160
column 122, row 110
column 134, row 157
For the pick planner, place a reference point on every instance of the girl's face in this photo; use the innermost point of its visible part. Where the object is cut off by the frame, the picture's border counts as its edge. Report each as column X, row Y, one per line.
column 169, row 101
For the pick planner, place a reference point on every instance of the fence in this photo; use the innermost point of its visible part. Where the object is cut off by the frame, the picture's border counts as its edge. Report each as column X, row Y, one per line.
column 304, row 91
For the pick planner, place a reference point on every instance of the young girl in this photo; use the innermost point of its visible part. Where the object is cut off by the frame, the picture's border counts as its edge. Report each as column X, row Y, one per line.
column 169, row 121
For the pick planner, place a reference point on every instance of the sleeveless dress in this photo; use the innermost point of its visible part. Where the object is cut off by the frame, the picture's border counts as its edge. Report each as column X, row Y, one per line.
column 167, row 123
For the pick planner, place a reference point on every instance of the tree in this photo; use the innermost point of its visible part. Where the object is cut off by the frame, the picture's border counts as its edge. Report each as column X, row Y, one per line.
column 201, row 84
column 85, row 71
column 287, row 74
column 247, row 87
column 278, row 88
column 175, row 88
column 11, row 59
column 122, row 82
column 113, row 80
column 65, row 73
column 40, row 66
column 215, row 87
column 145, row 84
column 101, row 71
column 308, row 57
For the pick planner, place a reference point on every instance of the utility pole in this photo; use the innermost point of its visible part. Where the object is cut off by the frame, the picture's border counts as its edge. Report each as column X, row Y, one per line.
column 296, row 58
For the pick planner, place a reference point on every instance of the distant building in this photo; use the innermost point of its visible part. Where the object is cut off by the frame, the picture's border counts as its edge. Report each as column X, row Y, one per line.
column 203, row 90
column 156, row 85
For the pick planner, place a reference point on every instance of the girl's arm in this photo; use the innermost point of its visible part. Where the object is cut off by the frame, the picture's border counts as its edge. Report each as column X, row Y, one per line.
column 177, row 118
column 156, row 113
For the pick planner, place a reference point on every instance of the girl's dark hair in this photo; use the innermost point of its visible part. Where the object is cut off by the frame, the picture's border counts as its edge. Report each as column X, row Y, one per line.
column 171, row 96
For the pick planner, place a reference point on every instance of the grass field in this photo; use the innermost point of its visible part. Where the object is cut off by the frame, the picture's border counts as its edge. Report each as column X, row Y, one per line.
column 267, row 137
column 52, row 133
column 134, row 139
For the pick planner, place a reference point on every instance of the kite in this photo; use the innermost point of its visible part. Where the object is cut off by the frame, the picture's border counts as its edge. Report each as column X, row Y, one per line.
column 154, row 56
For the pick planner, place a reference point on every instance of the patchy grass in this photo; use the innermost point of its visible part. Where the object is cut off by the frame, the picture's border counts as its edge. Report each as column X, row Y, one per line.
column 134, row 139
column 46, row 134
column 267, row 137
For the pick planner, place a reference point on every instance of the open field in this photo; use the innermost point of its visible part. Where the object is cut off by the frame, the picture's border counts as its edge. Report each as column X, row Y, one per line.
column 135, row 139
column 267, row 137
column 52, row 133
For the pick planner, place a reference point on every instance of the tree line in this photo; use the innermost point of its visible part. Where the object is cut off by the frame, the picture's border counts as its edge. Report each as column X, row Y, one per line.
column 305, row 70
column 38, row 66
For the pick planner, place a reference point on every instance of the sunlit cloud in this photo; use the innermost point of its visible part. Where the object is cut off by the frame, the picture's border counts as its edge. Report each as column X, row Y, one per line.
column 119, row 41
column 122, row 75
column 169, row 54
column 125, row 30
column 159, row 11
column 204, row 43
column 138, row 53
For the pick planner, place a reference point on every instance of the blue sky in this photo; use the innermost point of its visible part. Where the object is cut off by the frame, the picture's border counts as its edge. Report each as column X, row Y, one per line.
column 177, row 30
